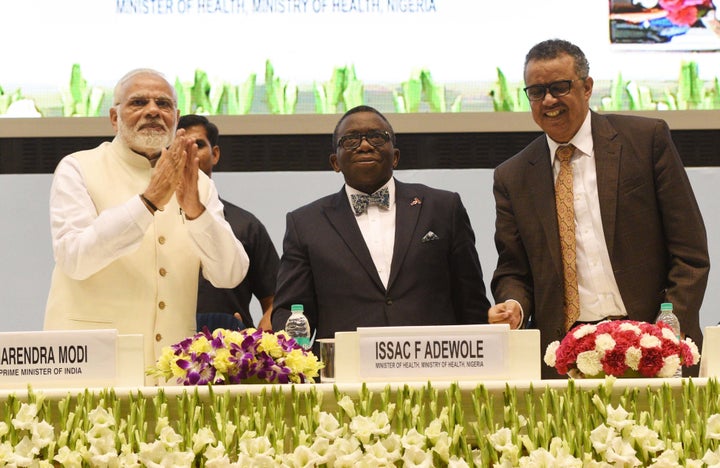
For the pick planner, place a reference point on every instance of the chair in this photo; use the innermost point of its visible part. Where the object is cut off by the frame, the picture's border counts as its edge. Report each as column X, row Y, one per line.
column 214, row 320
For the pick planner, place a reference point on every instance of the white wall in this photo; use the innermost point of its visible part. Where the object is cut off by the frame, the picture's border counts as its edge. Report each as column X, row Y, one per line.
column 26, row 262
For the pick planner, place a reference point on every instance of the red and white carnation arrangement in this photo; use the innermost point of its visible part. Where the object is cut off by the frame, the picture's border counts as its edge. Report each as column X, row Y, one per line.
column 621, row 347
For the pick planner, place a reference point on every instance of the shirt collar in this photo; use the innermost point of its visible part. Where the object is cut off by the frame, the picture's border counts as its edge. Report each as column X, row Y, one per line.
column 582, row 140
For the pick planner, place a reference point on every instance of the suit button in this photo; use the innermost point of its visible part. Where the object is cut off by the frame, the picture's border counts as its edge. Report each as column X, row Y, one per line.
column 158, row 337
column 163, row 272
column 161, row 305
column 388, row 301
column 161, row 239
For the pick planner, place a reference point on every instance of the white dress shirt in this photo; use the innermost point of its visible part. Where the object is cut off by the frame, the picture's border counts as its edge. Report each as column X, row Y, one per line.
column 378, row 229
column 599, row 293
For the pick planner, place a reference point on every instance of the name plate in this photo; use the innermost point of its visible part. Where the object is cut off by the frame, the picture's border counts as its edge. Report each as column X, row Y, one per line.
column 67, row 356
column 433, row 352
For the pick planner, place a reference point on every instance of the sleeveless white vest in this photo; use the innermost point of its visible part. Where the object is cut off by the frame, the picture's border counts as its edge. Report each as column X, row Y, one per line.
column 152, row 290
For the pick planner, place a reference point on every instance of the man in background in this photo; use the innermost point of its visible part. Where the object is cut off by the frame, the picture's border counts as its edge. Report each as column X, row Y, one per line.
column 379, row 252
column 132, row 222
column 264, row 260
column 596, row 219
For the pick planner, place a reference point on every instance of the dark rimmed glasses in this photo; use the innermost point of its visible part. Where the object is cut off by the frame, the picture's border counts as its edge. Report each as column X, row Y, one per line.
column 556, row 89
column 354, row 140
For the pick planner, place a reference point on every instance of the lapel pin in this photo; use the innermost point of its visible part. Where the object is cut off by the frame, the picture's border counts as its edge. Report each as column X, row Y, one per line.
column 416, row 201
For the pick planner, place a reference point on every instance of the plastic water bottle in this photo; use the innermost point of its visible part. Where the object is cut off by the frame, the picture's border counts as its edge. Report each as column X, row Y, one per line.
column 669, row 318
column 297, row 326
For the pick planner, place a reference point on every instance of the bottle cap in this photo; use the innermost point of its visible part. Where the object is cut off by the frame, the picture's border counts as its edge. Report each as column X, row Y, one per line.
column 666, row 306
column 297, row 308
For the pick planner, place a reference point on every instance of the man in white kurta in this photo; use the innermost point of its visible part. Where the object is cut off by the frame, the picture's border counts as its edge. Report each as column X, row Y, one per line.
column 132, row 222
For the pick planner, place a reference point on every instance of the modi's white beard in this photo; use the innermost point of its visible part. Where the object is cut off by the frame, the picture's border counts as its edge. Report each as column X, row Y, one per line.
column 144, row 140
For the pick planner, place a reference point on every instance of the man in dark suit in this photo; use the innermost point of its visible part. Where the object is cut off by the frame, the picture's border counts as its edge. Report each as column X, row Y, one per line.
column 638, row 233
column 408, row 257
column 214, row 302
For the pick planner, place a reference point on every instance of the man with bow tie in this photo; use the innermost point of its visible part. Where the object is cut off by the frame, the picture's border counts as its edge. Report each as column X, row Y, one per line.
column 379, row 252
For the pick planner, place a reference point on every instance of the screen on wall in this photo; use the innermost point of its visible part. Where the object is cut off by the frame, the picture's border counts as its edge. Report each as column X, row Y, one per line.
column 63, row 57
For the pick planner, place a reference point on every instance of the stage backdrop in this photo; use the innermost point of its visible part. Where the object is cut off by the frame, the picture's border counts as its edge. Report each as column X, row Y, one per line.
column 460, row 43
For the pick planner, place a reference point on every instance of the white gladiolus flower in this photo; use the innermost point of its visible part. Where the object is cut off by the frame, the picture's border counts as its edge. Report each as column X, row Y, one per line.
column 101, row 417
column 42, row 434
column 618, row 418
column 378, row 451
column 667, row 459
column 601, row 437
column 216, row 453
column 647, row 439
column 202, row 438
column 712, row 428
column 68, row 458
column 365, row 428
column 415, row 456
column 434, row 430
column 501, row 439
column 540, row 458
column 344, row 445
column 349, row 460
column 712, row 459
column 302, row 456
column 25, row 452
column 456, row 462
column 393, row 445
column 621, row 453
column 127, row 458
column 692, row 463
column 413, row 439
column 347, row 405
column 4, row 429
column 328, row 426
column 255, row 446
column 442, row 447
column 25, row 417
column 169, row 437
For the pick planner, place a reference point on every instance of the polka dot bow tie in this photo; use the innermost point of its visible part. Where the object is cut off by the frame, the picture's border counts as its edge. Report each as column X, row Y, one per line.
column 360, row 202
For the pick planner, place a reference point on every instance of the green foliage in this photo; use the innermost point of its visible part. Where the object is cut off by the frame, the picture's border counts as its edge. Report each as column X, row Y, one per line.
column 78, row 98
column 505, row 100
column 421, row 85
column 614, row 102
column 342, row 92
column 213, row 97
column 281, row 96
column 7, row 99
column 690, row 87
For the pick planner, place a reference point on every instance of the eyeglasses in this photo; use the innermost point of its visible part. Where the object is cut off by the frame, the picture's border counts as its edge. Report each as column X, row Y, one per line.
column 556, row 88
column 354, row 140
column 139, row 102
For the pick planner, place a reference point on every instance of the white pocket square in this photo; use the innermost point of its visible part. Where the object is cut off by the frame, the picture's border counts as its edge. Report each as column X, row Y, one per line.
column 430, row 236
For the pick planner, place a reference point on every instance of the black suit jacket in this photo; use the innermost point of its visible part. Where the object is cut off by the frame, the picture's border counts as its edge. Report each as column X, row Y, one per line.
column 327, row 267
column 651, row 221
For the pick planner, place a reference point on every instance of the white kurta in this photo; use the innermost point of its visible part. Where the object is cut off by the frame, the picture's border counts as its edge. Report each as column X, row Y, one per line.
column 117, row 265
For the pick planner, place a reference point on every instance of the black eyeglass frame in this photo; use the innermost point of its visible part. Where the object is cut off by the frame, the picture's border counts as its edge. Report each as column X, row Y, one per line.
column 384, row 136
column 548, row 88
